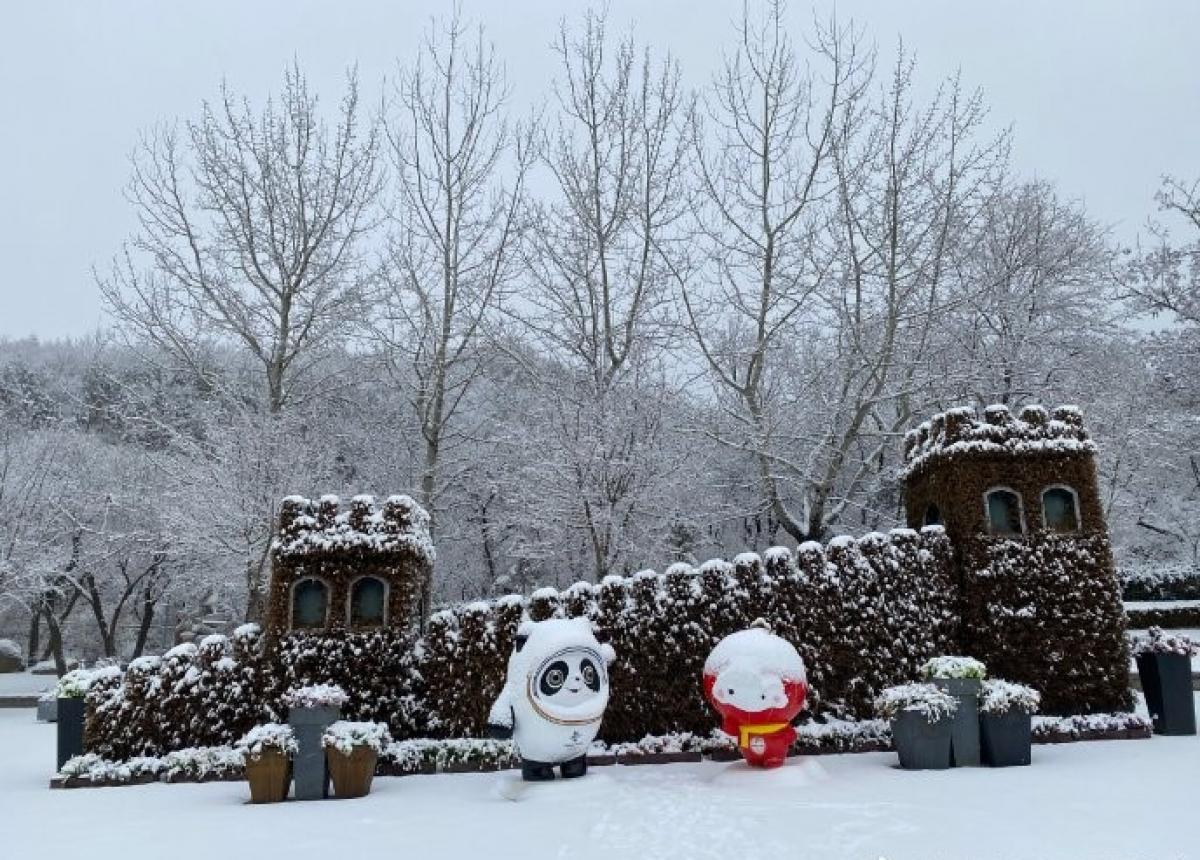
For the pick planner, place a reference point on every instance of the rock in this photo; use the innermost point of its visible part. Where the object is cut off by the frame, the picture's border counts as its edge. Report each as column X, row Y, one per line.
column 10, row 656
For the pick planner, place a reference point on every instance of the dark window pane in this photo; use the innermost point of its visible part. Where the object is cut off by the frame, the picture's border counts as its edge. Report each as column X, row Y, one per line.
column 1058, row 510
column 366, row 603
column 1004, row 512
column 309, row 601
column 933, row 517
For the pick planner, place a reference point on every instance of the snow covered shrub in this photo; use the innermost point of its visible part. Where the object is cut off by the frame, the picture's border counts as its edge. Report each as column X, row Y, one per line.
column 76, row 683
column 199, row 763
column 1163, row 581
column 1000, row 696
column 926, row 698
column 315, row 696
column 345, row 735
column 953, row 667
column 277, row 737
column 1159, row 641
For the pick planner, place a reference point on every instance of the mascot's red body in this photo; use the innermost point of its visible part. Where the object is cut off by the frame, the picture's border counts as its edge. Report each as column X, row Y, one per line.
column 756, row 682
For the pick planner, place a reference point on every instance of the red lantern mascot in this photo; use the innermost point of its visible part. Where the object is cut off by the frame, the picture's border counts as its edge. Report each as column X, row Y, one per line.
column 756, row 682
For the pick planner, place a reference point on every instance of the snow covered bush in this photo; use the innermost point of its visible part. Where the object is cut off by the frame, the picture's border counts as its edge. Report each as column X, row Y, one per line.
column 943, row 668
column 345, row 736
column 315, row 696
column 276, row 737
column 1163, row 581
column 203, row 763
column 1158, row 641
column 999, row 697
column 925, row 698
column 76, row 683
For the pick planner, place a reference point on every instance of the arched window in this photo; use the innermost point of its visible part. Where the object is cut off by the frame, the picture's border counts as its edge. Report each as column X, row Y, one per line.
column 310, row 604
column 1060, row 509
column 933, row 516
column 368, row 601
column 1004, row 515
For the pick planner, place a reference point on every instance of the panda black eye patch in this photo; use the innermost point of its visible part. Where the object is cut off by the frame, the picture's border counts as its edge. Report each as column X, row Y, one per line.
column 590, row 676
column 553, row 678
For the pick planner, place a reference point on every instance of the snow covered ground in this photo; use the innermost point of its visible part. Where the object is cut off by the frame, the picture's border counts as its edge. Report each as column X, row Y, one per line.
column 25, row 683
column 1107, row 799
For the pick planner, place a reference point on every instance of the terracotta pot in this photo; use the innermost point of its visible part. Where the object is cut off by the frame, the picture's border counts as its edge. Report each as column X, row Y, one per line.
column 352, row 774
column 268, row 775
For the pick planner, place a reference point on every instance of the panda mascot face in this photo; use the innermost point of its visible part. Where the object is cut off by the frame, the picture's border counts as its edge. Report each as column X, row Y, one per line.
column 556, row 690
column 572, row 682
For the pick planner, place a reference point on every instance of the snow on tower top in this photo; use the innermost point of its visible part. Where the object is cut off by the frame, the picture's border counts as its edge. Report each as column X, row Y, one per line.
column 398, row 524
column 962, row 432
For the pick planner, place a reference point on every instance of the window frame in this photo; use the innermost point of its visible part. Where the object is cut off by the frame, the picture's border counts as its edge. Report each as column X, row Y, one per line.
column 1074, row 494
column 324, row 625
column 987, row 512
column 387, row 593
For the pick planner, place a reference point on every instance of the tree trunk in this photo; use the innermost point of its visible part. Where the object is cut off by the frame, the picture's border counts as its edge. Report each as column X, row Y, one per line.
column 35, row 635
column 148, row 605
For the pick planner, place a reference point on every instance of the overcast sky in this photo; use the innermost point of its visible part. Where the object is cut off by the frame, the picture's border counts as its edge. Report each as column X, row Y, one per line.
column 1103, row 97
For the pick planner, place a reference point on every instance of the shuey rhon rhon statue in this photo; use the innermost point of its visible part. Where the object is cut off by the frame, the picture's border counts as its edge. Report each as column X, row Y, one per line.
column 554, row 696
column 756, row 681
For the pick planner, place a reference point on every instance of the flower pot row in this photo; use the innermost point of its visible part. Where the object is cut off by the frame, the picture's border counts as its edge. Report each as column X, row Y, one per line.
column 956, row 719
column 314, row 748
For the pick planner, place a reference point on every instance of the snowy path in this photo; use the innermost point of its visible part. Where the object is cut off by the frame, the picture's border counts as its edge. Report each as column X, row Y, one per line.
column 1131, row 799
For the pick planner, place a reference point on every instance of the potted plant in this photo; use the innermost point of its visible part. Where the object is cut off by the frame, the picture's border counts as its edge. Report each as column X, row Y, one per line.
column 352, row 750
column 961, row 677
column 1164, row 663
column 922, row 718
column 70, row 694
column 267, row 750
column 1006, row 723
column 311, row 710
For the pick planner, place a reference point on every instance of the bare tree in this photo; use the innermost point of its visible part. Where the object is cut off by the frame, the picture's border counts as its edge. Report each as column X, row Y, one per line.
column 598, row 255
column 1166, row 278
column 764, row 143
column 456, row 228
column 830, row 216
column 251, row 228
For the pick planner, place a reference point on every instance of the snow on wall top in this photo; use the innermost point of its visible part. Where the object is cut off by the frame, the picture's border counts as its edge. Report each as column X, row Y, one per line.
column 399, row 523
column 963, row 431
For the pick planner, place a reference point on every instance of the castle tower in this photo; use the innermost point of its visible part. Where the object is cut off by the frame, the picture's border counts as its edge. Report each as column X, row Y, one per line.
column 1018, row 498
column 357, row 569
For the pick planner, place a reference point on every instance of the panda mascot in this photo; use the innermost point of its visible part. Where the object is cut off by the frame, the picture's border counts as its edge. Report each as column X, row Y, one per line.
column 554, row 696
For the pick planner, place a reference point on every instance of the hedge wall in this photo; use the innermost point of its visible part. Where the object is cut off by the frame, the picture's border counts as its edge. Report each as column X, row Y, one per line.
column 1044, row 610
column 1168, row 581
column 864, row 614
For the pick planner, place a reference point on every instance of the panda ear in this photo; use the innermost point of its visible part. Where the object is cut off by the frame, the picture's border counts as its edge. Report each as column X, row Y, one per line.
column 608, row 653
column 521, row 639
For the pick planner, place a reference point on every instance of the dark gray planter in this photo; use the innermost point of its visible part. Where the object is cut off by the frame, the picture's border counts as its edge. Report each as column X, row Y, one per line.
column 965, row 744
column 922, row 745
column 310, row 772
column 1006, row 738
column 70, row 729
column 1167, row 684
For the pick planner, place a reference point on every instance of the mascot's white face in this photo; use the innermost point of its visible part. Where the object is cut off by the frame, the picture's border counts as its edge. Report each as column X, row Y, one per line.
column 568, row 678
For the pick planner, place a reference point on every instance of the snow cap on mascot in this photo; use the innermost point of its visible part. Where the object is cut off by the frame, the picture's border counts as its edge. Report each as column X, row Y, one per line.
column 756, row 681
column 554, row 696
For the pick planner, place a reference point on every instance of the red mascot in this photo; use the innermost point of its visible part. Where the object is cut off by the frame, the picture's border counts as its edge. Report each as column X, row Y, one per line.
column 756, row 682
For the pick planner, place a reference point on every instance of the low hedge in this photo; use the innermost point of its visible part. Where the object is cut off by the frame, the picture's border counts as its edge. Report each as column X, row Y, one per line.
column 1141, row 618
column 1167, row 581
